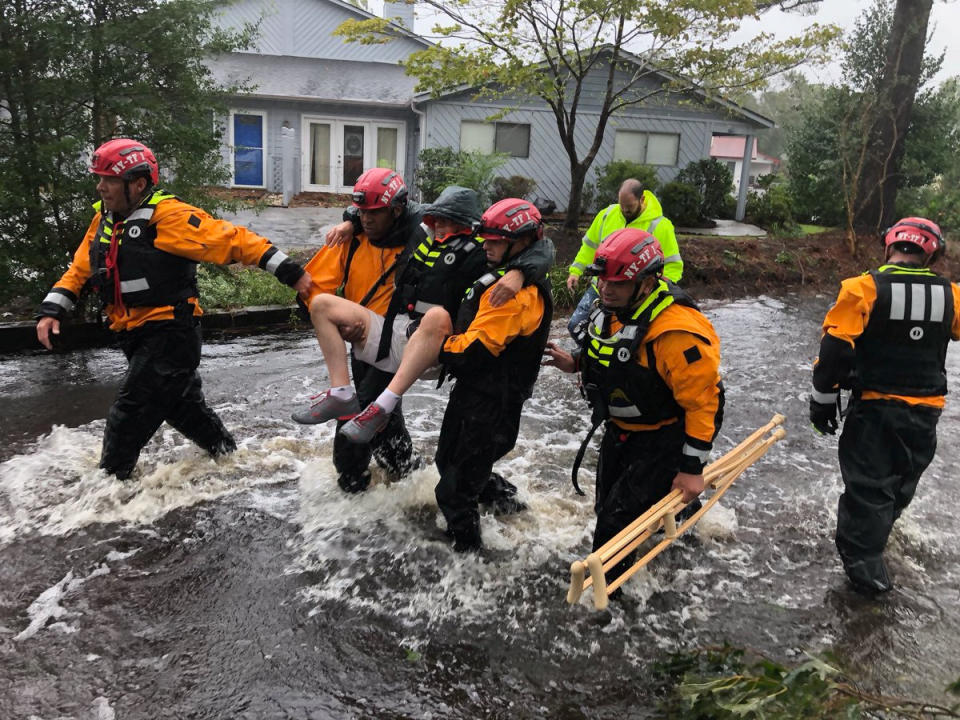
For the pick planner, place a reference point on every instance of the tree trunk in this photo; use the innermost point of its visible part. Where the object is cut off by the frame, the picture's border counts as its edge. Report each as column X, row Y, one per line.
column 898, row 88
column 578, row 173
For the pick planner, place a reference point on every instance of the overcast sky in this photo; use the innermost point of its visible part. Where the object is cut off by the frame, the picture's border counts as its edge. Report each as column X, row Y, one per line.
column 944, row 21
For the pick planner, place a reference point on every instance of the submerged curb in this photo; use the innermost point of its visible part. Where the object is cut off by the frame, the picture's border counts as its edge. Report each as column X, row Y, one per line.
column 22, row 336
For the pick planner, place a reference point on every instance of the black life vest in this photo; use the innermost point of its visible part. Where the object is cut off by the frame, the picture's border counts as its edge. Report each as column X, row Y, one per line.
column 429, row 278
column 425, row 280
column 515, row 370
column 148, row 277
column 614, row 384
column 903, row 348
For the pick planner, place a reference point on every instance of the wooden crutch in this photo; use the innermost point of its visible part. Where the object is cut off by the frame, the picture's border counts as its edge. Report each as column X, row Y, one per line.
column 718, row 475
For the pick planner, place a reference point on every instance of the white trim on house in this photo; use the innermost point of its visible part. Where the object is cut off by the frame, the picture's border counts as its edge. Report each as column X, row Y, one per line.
column 263, row 138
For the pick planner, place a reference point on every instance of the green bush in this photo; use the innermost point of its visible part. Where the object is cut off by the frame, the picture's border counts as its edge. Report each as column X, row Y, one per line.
column 938, row 201
column 729, row 211
column 714, row 181
column 611, row 177
column 681, row 203
column 515, row 186
column 588, row 198
column 771, row 209
column 440, row 167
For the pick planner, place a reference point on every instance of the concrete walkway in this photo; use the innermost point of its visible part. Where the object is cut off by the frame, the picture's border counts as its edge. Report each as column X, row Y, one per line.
column 289, row 228
column 726, row 228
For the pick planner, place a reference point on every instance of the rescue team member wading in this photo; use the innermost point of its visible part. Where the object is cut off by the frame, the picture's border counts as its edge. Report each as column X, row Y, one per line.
column 494, row 354
column 649, row 365
column 885, row 338
column 362, row 272
column 635, row 208
column 140, row 254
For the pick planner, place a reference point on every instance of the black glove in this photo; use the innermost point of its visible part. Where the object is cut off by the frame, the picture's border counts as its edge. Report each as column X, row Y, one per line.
column 823, row 417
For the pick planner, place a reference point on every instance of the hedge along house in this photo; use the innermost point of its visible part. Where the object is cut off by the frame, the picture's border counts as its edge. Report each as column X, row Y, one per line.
column 667, row 131
column 321, row 110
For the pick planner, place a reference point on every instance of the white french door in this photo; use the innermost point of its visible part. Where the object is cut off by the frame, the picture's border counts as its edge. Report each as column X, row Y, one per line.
column 337, row 151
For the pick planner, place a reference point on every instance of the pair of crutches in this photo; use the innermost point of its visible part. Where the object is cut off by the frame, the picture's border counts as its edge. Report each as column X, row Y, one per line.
column 718, row 475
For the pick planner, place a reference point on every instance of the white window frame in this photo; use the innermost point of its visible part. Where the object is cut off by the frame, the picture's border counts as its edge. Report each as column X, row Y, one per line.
column 232, row 145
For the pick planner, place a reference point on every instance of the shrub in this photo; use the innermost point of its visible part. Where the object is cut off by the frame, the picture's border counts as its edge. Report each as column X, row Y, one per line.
column 714, row 181
column 611, row 177
column 226, row 287
column 440, row 167
column 771, row 209
column 515, row 186
column 681, row 203
column 938, row 201
column 435, row 166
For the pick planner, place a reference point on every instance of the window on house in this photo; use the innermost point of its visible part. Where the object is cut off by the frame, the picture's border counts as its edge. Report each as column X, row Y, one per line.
column 646, row 148
column 502, row 137
column 732, row 167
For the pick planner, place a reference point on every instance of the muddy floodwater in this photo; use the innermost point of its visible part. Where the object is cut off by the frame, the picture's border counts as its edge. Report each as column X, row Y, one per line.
column 253, row 587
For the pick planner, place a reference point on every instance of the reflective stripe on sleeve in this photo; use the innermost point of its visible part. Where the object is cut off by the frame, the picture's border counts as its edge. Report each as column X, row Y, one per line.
column 701, row 455
column 672, row 258
column 590, row 243
column 274, row 262
column 141, row 214
column 59, row 299
column 824, row 398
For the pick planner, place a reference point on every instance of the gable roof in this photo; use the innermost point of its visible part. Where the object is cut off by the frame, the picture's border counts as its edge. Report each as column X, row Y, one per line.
column 744, row 113
column 367, row 15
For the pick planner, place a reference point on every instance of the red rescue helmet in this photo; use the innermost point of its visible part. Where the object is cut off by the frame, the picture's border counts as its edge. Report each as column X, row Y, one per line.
column 125, row 158
column 628, row 254
column 510, row 219
column 379, row 188
column 917, row 231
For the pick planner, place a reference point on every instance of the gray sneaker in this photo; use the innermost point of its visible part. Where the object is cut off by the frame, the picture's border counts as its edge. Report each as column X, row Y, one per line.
column 326, row 407
column 363, row 427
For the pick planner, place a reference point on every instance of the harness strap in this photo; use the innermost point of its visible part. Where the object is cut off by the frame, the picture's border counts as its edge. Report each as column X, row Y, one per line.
column 580, row 453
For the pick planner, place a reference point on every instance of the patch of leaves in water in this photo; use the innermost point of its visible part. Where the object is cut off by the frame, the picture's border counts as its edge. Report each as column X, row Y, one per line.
column 721, row 683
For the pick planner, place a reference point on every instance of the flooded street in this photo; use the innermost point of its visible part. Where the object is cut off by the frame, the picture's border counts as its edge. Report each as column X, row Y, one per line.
column 253, row 587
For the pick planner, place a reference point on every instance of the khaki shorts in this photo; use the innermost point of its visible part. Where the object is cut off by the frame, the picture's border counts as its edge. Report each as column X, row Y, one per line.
column 368, row 351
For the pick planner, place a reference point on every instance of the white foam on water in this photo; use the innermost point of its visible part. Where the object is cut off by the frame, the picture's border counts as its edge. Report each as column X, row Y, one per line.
column 58, row 487
column 47, row 605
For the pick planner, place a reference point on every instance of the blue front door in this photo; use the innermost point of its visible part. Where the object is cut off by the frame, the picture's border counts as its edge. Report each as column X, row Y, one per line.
column 248, row 150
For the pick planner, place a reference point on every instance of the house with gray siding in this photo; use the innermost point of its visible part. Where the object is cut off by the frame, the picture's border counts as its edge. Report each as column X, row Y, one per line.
column 667, row 131
column 322, row 110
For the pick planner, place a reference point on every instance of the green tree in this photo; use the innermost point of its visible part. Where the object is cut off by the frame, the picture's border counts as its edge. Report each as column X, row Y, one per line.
column 555, row 49
column 75, row 74
column 829, row 141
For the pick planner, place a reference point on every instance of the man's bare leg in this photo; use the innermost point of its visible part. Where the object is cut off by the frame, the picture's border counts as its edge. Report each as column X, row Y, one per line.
column 328, row 313
column 423, row 349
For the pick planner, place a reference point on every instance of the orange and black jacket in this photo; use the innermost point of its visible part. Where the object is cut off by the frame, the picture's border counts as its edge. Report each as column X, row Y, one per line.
column 657, row 364
column 352, row 270
column 144, row 265
column 886, row 337
column 497, row 350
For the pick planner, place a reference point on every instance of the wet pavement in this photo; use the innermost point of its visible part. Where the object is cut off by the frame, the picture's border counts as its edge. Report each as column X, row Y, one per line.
column 252, row 587
column 289, row 228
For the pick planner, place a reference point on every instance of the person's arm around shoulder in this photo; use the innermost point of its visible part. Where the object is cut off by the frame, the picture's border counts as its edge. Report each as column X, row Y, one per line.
column 529, row 267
